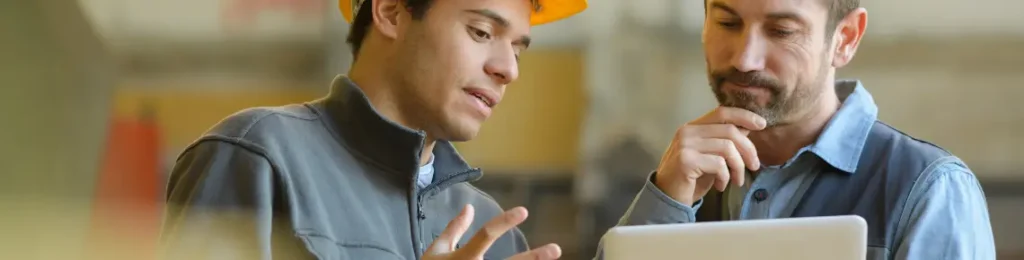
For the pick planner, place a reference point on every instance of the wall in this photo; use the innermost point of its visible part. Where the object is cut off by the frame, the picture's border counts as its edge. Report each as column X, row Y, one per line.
column 184, row 113
column 55, row 84
column 536, row 127
column 209, row 20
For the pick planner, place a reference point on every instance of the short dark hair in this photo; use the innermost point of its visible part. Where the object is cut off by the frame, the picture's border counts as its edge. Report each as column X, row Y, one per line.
column 837, row 10
column 363, row 20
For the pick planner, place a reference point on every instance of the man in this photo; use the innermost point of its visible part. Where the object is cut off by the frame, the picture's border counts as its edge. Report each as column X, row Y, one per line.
column 813, row 146
column 368, row 172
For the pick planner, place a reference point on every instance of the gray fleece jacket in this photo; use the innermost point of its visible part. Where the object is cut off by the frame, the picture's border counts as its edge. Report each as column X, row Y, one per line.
column 328, row 179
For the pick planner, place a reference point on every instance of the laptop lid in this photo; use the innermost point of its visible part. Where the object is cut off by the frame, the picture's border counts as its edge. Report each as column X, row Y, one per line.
column 832, row 237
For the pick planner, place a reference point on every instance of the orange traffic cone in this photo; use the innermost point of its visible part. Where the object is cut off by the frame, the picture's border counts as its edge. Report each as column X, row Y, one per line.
column 126, row 209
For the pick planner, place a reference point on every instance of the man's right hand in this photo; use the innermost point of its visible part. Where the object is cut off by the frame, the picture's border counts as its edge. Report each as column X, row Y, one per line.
column 710, row 151
column 443, row 248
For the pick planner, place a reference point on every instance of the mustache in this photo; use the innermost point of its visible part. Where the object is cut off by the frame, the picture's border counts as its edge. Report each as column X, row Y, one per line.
column 753, row 79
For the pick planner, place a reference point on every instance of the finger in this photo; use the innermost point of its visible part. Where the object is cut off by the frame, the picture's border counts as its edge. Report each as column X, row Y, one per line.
column 453, row 232
column 727, row 150
column 722, row 181
column 733, row 115
column 492, row 231
column 714, row 165
column 737, row 135
column 549, row 251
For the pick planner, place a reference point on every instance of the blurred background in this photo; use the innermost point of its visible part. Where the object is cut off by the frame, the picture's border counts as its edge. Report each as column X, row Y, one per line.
column 99, row 97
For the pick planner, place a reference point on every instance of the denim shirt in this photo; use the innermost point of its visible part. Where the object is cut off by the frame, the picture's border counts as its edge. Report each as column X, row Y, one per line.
column 949, row 216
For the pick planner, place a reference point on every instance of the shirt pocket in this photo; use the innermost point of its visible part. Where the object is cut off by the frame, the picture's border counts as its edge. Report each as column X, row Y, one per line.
column 325, row 248
column 877, row 253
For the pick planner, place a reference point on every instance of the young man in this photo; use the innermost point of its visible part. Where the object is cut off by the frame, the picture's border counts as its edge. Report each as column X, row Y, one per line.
column 813, row 146
column 368, row 171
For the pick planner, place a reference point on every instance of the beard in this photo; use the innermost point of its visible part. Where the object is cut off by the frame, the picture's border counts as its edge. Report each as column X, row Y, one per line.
column 781, row 106
column 773, row 111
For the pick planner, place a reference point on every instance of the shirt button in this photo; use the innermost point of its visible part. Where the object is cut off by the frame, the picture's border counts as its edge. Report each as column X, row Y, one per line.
column 760, row 195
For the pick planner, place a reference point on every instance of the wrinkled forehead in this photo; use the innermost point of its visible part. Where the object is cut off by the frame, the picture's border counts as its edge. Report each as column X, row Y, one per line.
column 805, row 12
column 756, row 7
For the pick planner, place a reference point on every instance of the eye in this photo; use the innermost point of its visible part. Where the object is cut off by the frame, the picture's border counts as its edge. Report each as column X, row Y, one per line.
column 731, row 25
column 477, row 34
column 781, row 33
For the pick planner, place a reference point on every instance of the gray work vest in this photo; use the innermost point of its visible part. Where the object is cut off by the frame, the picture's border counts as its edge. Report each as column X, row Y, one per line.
column 890, row 163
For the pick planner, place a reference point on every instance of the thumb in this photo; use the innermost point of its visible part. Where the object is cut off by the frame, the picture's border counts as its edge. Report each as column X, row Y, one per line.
column 453, row 232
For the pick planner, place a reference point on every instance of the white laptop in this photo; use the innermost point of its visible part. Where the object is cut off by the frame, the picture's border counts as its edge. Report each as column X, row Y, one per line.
column 832, row 238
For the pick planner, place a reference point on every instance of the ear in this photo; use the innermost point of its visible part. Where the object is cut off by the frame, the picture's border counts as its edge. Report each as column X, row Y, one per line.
column 385, row 16
column 847, row 36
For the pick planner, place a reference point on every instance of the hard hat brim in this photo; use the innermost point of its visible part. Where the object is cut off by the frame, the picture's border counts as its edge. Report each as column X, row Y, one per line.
column 550, row 11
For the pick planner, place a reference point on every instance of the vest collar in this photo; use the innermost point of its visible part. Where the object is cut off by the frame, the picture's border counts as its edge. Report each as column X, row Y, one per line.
column 384, row 142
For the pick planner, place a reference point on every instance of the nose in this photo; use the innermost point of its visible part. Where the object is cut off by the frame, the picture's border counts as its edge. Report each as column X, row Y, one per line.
column 502, row 68
column 751, row 53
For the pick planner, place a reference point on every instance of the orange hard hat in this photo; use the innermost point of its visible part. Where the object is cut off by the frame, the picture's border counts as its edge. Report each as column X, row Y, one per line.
column 549, row 11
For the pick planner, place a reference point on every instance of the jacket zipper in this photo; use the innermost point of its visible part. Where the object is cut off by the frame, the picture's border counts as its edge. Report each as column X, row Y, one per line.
column 447, row 182
column 427, row 192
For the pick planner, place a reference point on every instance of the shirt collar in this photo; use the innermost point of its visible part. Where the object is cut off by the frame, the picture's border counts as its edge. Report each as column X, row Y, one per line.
column 388, row 144
column 841, row 142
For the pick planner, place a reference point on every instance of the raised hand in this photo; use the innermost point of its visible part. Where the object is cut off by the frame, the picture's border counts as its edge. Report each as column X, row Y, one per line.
column 443, row 248
column 709, row 152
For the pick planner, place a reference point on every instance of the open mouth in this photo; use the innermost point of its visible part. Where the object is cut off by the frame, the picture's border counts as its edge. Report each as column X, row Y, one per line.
column 484, row 98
